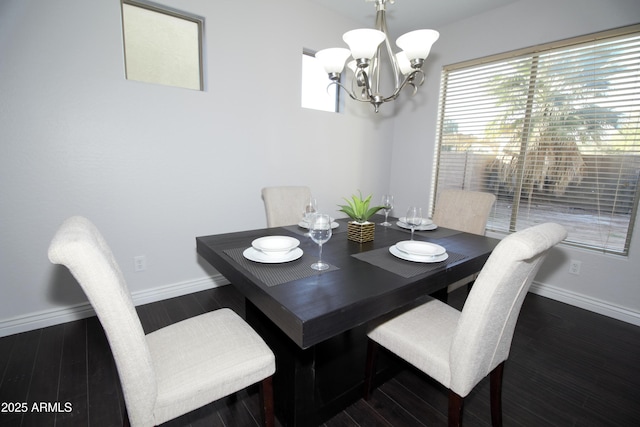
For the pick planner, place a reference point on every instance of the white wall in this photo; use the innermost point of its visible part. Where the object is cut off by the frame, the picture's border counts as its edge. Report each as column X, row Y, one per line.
column 607, row 284
column 155, row 166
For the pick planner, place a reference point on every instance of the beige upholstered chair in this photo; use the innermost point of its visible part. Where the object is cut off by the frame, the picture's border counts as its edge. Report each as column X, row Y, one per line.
column 284, row 205
column 173, row 370
column 465, row 211
column 458, row 349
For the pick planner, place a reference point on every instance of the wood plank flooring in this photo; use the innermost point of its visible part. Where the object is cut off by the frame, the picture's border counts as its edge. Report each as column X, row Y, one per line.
column 568, row 367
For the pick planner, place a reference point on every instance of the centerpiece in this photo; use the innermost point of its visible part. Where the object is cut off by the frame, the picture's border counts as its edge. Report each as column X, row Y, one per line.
column 359, row 229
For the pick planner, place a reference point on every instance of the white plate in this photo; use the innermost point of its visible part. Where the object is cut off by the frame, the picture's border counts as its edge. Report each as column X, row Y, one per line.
column 416, row 247
column 255, row 255
column 275, row 246
column 414, row 258
column 423, row 227
column 425, row 221
column 304, row 224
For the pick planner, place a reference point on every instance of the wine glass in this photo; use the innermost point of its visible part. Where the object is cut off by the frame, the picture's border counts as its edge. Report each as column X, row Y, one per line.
column 414, row 218
column 320, row 232
column 387, row 203
column 310, row 208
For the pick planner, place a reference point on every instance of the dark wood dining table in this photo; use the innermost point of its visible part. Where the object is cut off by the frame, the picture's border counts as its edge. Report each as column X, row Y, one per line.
column 316, row 322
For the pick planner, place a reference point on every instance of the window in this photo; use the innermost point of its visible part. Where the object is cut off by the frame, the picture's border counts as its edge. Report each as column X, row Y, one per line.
column 161, row 45
column 316, row 92
column 553, row 131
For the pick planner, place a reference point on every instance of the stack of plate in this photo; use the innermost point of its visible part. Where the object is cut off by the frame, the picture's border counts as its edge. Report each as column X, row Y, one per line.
column 417, row 251
column 426, row 225
column 305, row 223
column 273, row 249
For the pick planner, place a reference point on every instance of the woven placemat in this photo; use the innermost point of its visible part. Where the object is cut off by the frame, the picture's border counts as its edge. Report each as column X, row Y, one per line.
column 296, row 229
column 438, row 233
column 277, row 274
column 384, row 259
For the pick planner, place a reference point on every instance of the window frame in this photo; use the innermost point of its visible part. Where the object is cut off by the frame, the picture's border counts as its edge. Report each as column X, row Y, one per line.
column 175, row 13
column 503, row 58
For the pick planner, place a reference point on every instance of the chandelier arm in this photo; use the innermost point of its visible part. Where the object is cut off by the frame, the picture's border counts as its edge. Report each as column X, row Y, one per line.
column 409, row 79
column 362, row 79
column 422, row 78
column 350, row 93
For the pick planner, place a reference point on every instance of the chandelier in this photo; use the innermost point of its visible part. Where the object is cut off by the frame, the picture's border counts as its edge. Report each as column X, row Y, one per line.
column 365, row 49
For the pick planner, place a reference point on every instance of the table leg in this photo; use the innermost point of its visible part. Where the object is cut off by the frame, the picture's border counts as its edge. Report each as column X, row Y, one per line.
column 314, row 384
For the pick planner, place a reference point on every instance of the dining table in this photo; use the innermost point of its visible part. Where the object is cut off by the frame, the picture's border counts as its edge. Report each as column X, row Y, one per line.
column 316, row 321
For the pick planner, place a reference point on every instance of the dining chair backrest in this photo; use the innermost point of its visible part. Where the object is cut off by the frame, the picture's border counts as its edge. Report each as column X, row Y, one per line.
column 284, row 205
column 81, row 248
column 463, row 210
column 485, row 329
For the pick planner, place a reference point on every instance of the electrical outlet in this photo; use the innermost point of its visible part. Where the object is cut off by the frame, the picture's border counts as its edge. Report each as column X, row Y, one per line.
column 140, row 263
column 574, row 267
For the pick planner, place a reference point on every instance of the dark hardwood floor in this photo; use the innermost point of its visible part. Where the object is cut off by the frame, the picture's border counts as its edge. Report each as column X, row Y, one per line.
column 568, row 367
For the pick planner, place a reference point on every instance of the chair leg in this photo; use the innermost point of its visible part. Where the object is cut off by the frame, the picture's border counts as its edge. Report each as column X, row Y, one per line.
column 370, row 367
column 495, row 382
column 125, row 420
column 266, row 398
column 456, row 404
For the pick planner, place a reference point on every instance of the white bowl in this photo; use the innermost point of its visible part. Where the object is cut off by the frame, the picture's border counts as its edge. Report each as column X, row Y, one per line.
column 275, row 245
column 423, row 249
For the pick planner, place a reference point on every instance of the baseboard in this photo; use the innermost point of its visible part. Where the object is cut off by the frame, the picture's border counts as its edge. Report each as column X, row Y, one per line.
column 52, row 317
column 57, row 316
column 587, row 303
column 178, row 289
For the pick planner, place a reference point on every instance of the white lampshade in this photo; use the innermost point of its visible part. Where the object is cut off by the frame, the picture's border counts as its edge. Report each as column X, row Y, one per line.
column 364, row 42
column 417, row 44
column 352, row 66
column 333, row 59
column 404, row 63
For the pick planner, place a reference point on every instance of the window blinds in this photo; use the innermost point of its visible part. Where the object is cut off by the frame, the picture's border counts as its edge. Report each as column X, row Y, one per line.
column 553, row 131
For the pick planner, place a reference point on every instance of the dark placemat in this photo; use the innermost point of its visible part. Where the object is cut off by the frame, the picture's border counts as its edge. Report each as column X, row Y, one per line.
column 277, row 274
column 296, row 229
column 435, row 234
column 384, row 259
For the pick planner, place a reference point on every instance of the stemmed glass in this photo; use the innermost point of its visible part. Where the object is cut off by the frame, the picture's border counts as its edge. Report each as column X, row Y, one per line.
column 387, row 203
column 310, row 208
column 320, row 232
column 414, row 218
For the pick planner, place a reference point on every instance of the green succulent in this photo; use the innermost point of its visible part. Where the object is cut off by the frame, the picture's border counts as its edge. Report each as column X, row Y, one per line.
column 358, row 208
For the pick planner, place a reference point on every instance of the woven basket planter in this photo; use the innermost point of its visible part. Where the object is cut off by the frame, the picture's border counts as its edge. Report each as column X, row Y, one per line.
column 360, row 232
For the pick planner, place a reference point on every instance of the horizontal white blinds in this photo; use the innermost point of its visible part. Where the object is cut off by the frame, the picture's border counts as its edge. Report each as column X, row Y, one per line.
column 554, row 133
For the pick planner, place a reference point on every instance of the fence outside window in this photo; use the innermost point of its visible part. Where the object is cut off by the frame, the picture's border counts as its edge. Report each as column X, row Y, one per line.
column 553, row 131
